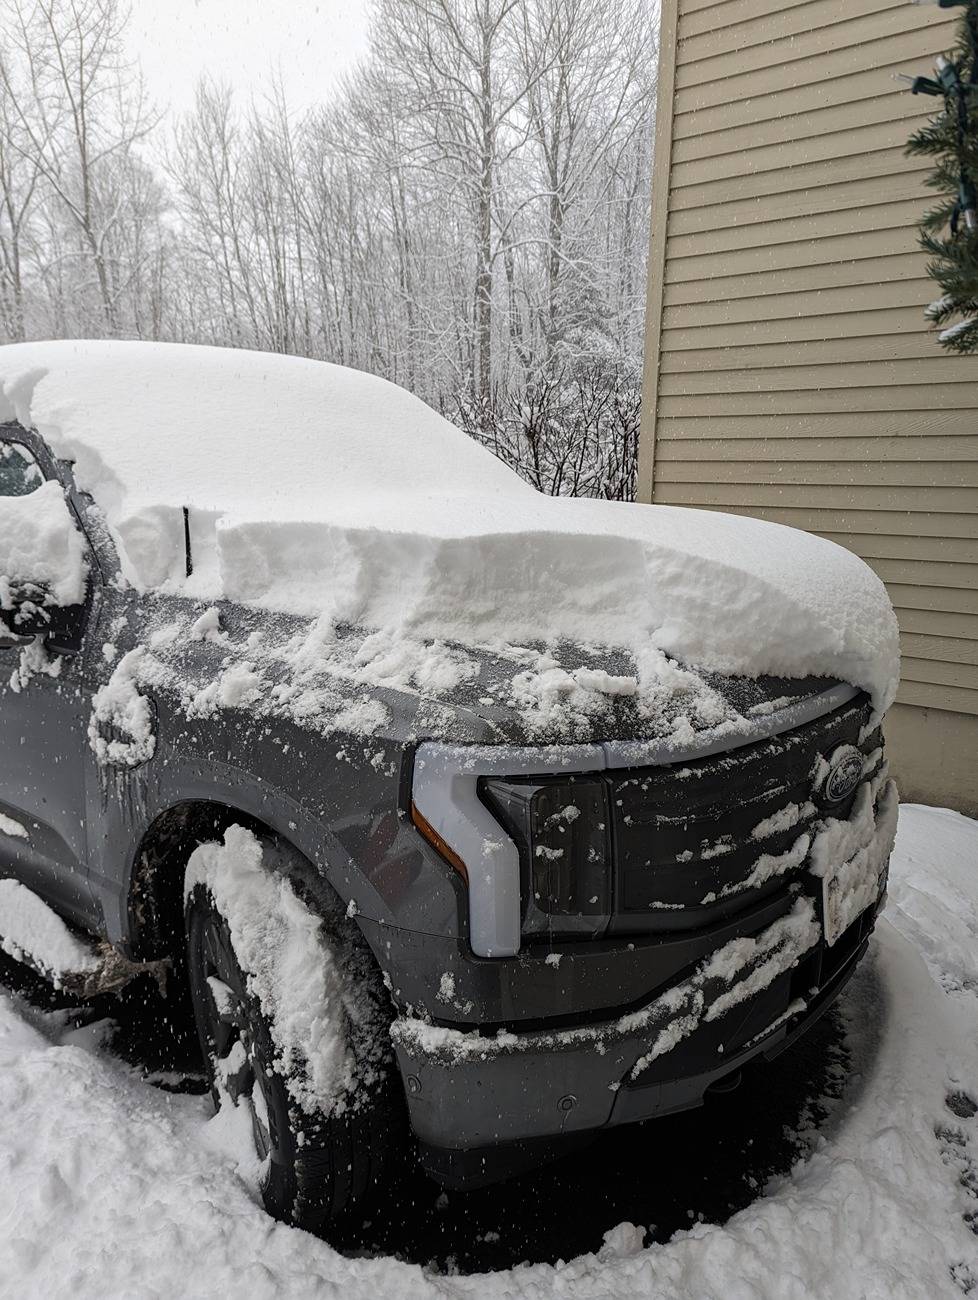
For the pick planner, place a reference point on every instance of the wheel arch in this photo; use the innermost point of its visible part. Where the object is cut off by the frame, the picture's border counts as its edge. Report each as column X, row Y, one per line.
column 154, row 903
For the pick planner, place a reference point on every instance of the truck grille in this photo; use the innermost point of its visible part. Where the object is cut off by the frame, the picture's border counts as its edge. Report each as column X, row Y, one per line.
column 696, row 842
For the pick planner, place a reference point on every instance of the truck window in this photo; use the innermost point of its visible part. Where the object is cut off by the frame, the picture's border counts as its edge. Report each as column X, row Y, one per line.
column 20, row 473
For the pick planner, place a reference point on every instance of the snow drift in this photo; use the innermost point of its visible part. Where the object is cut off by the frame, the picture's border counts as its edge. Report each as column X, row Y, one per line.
column 320, row 490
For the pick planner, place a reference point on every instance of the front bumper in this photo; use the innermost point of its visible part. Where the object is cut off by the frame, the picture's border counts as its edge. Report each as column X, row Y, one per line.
column 575, row 1081
column 752, row 996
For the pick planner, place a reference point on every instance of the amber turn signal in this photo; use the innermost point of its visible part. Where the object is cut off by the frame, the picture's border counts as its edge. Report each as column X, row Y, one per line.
column 436, row 841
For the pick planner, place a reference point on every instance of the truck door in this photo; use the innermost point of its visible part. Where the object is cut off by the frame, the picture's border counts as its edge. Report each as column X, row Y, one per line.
column 44, row 710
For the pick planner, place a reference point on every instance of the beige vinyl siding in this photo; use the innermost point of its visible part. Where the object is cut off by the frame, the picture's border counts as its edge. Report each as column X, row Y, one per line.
column 790, row 373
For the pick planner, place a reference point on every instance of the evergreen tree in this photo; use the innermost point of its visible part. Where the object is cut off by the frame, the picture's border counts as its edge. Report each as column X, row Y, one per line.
column 949, row 231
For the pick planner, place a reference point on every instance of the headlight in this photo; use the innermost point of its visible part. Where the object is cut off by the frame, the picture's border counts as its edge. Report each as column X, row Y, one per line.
column 487, row 820
column 561, row 828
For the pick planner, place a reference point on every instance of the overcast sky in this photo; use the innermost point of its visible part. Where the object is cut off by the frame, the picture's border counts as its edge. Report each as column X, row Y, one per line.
column 241, row 41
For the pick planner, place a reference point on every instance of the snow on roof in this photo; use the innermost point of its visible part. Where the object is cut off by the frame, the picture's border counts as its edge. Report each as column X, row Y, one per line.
column 324, row 491
column 252, row 434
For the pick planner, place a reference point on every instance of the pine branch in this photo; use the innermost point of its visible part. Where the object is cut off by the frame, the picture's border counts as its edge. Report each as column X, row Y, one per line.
column 949, row 229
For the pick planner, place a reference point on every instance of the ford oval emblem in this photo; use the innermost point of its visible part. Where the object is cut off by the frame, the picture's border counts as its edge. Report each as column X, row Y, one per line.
column 844, row 774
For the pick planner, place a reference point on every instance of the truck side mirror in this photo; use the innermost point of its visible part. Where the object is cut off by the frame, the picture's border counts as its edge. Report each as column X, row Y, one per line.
column 25, row 607
column 44, row 568
column 26, row 611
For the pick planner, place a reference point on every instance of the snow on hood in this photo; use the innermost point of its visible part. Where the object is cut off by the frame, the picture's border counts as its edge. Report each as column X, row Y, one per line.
column 319, row 490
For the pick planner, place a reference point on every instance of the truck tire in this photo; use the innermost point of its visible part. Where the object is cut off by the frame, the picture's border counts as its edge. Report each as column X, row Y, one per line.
column 318, row 1162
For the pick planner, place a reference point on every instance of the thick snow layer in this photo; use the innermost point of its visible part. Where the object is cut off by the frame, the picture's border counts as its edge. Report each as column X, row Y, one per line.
column 31, row 932
column 112, row 1189
column 41, row 545
column 324, row 491
column 290, row 970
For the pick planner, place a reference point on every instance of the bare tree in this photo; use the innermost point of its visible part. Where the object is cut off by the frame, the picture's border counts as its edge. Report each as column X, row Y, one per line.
column 587, row 64
column 468, row 215
column 80, row 110
column 19, row 172
column 462, row 90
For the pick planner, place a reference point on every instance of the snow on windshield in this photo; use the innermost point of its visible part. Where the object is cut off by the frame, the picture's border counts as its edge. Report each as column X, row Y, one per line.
column 329, row 493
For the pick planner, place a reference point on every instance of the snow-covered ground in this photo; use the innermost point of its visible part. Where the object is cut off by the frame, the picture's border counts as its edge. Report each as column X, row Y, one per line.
column 110, row 1187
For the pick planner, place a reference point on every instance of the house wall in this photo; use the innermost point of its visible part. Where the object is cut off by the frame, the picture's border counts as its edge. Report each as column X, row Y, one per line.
column 790, row 373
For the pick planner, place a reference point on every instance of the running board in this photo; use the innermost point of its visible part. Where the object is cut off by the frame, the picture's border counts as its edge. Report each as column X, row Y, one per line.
column 34, row 934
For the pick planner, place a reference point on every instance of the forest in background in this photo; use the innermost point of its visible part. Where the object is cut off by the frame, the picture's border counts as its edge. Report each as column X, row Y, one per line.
column 467, row 216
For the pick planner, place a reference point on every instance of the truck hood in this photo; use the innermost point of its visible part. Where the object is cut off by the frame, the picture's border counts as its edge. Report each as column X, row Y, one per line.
column 568, row 695
column 660, row 584
column 339, row 679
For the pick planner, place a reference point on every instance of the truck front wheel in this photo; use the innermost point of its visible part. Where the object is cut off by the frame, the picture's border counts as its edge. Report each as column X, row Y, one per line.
column 293, row 1023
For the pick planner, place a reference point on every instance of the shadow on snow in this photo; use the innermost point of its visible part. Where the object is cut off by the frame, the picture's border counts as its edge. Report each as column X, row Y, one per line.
column 703, row 1165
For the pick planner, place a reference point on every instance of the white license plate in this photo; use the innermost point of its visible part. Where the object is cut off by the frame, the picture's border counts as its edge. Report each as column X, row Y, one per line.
column 847, row 891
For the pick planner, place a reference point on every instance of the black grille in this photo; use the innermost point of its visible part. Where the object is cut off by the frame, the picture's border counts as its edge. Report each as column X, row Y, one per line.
column 683, row 844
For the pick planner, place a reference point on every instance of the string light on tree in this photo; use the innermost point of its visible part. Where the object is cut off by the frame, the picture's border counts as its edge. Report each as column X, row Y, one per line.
column 949, row 231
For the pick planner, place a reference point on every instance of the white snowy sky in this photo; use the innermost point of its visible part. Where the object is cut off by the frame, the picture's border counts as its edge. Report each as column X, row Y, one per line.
column 312, row 42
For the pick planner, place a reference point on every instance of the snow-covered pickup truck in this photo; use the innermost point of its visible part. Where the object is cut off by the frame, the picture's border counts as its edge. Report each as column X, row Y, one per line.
column 517, row 817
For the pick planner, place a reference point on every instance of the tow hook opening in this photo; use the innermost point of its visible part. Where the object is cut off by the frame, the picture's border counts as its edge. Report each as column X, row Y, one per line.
column 728, row 1083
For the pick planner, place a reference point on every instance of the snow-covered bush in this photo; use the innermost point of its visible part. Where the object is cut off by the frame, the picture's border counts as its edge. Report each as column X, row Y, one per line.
column 572, row 432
